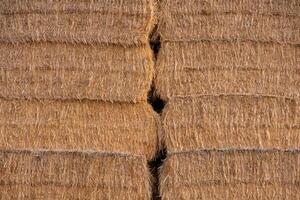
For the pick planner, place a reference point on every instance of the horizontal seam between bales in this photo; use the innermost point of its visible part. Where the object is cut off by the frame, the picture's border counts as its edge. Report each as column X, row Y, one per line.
column 288, row 68
column 65, row 185
column 234, row 95
column 102, row 46
column 79, row 41
column 137, row 71
column 229, row 44
column 223, row 182
column 43, row 152
column 238, row 150
column 232, row 41
column 45, row 100
column 215, row 13
column 73, row 13
column 252, row 126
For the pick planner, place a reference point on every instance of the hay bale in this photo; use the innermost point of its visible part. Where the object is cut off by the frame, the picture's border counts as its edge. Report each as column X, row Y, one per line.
column 232, row 174
column 206, row 68
column 64, row 71
column 108, row 21
column 276, row 21
column 79, row 125
column 231, row 121
column 72, row 175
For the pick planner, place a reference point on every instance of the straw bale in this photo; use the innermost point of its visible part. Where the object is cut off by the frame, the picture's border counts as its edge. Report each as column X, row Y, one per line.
column 100, row 21
column 228, row 68
column 232, row 175
column 57, row 175
column 79, row 125
column 231, row 121
column 65, row 71
column 193, row 20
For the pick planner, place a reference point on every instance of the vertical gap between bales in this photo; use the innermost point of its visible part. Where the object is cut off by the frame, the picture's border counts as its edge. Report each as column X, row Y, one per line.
column 158, row 106
column 154, row 167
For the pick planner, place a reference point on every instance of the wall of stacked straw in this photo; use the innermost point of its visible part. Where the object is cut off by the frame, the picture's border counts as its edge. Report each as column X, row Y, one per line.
column 229, row 71
column 74, row 118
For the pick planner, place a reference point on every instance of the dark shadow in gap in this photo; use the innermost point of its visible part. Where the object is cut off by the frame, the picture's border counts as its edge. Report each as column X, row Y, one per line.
column 155, row 42
column 156, row 103
column 154, row 167
column 155, row 46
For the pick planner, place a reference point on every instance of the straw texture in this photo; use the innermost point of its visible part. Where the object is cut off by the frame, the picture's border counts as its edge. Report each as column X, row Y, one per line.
column 100, row 21
column 230, row 74
column 228, row 68
column 85, row 125
column 231, row 121
column 61, row 71
column 276, row 21
column 232, row 175
column 72, row 175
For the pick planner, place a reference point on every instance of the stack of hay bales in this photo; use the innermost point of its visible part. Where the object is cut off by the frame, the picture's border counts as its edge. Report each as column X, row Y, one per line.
column 66, row 50
column 235, row 47
column 74, row 118
column 229, row 71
